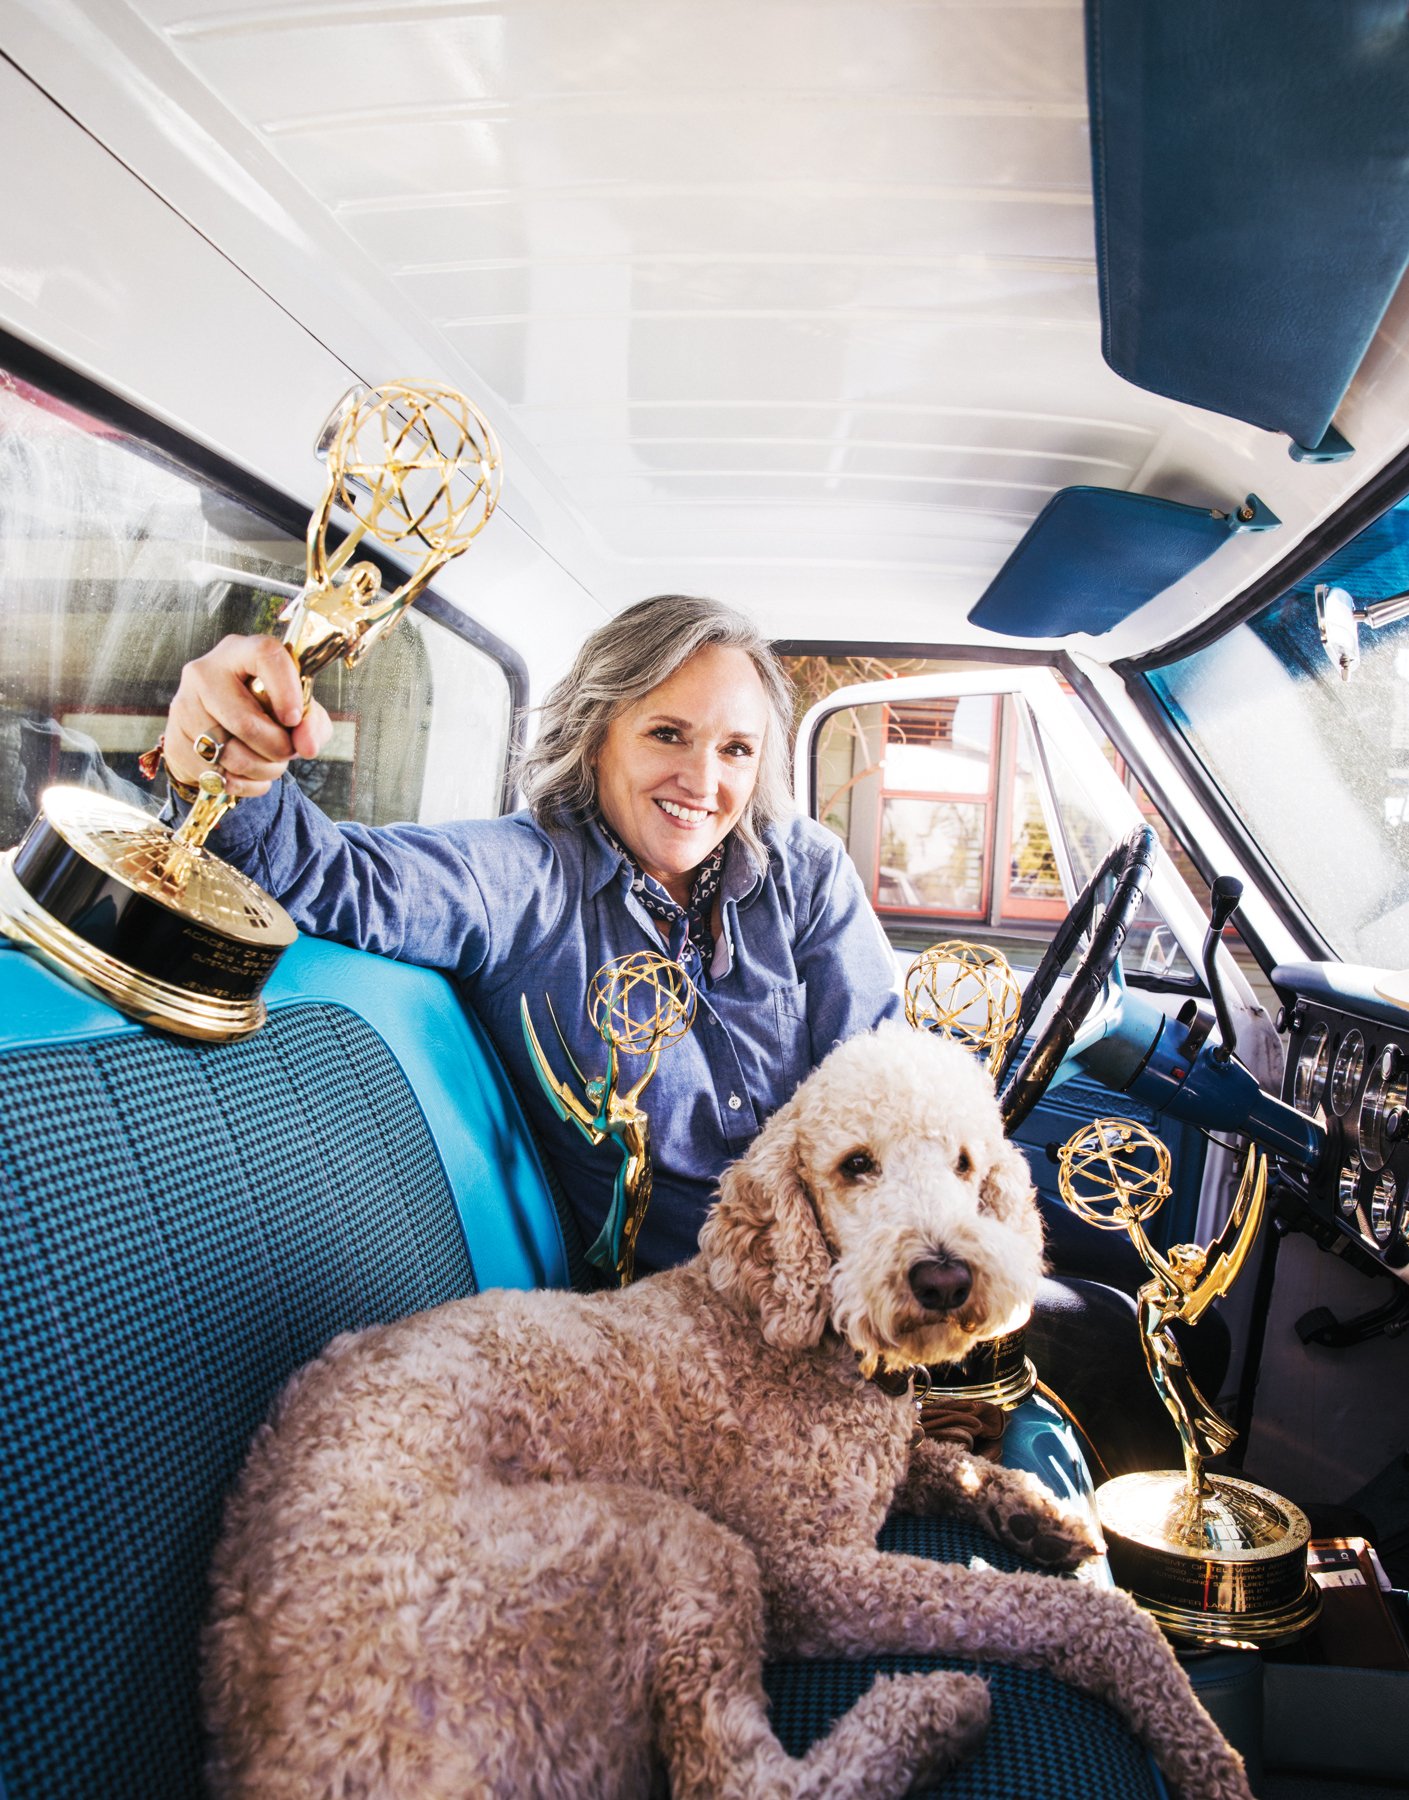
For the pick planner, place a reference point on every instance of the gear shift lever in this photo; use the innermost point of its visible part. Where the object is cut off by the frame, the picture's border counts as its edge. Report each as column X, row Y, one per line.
column 1227, row 891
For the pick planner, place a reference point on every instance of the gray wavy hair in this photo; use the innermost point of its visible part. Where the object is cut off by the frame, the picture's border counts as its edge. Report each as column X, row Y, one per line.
column 620, row 663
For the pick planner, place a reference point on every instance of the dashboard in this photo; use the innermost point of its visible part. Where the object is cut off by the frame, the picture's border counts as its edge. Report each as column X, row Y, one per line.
column 1348, row 1068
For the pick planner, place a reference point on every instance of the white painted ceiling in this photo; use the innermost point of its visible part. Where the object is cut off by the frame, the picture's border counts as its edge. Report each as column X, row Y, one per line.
column 793, row 301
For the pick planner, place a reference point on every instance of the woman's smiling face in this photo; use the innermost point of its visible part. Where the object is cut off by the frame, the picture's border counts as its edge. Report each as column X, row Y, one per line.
column 678, row 767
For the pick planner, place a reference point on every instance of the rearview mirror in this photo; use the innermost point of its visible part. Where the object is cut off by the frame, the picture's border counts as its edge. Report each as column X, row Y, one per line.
column 1340, row 634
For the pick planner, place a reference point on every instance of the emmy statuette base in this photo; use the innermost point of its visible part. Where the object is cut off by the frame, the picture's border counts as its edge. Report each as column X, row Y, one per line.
column 170, row 935
column 1226, row 1568
column 997, row 1370
column 144, row 998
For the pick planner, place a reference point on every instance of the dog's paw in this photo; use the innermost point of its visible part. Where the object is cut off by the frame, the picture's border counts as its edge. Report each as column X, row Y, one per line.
column 1022, row 1514
column 1056, row 1544
column 957, row 1710
column 902, row 1735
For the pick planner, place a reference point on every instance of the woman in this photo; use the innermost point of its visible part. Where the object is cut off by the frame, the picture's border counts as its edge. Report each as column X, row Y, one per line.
column 664, row 745
column 659, row 817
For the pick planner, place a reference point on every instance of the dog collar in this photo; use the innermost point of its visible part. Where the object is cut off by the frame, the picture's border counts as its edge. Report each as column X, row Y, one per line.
column 892, row 1381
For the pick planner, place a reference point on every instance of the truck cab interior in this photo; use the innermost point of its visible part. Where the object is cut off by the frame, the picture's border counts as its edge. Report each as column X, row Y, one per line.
column 1035, row 373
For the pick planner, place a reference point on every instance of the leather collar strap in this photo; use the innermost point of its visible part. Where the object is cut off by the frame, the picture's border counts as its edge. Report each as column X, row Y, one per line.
column 892, row 1381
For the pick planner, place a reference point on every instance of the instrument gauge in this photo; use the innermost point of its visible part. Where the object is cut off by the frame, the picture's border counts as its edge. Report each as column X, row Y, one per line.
column 1383, row 1110
column 1346, row 1071
column 1384, row 1202
column 1309, row 1078
column 1346, row 1185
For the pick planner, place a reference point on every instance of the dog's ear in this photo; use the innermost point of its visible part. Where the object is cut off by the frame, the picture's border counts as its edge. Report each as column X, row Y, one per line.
column 763, row 1242
column 1007, row 1189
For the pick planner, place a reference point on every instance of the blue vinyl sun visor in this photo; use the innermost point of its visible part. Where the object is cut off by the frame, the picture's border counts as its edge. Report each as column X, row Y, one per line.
column 1093, row 556
column 1250, row 166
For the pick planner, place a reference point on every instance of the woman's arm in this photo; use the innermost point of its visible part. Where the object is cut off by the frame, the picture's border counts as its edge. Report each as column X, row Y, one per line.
column 408, row 891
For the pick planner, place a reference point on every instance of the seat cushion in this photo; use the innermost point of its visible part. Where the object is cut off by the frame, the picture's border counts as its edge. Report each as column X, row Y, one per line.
column 181, row 1227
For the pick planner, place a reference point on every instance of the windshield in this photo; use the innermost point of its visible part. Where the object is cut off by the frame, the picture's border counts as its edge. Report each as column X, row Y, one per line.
column 1309, row 741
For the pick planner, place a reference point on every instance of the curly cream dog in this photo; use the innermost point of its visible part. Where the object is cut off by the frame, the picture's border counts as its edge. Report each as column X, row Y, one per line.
column 538, row 1543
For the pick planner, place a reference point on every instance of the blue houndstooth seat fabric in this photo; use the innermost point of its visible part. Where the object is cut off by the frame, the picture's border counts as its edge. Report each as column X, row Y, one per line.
column 181, row 1227
column 1045, row 1739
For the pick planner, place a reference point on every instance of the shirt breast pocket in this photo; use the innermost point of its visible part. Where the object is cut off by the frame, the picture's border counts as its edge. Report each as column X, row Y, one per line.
column 790, row 1023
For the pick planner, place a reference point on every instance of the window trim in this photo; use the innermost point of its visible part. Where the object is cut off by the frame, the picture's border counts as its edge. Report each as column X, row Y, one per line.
column 1383, row 490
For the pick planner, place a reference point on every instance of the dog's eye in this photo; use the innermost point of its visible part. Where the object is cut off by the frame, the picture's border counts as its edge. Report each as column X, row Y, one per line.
column 859, row 1163
column 963, row 1163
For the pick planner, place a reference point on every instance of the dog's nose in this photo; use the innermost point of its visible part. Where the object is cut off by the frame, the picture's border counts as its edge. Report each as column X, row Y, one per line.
column 940, row 1283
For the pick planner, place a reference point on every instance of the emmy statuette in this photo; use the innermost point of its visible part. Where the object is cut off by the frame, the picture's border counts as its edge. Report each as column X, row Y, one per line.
column 1215, row 1559
column 149, row 919
column 969, row 992
column 638, row 1005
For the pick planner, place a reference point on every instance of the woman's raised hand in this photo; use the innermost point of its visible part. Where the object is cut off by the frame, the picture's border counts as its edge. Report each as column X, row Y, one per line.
column 214, row 703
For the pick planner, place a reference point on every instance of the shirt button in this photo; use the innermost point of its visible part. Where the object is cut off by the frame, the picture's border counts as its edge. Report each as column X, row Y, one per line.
column 734, row 1102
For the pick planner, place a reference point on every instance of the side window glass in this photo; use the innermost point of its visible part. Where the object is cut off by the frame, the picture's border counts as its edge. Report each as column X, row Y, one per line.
column 936, row 795
column 909, row 788
column 118, row 564
column 1033, row 892
column 948, row 806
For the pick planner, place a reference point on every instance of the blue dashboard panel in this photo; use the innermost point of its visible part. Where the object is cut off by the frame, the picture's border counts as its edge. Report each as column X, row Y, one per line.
column 1347, row 1066
column 1251, row 226
column 1345, row 985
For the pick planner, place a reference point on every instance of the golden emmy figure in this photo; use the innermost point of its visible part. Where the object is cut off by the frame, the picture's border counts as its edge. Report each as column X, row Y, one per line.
column 638, row 1005
column 1215, row 1558
column 149, row 919
column 969, row 992
column 417, row 468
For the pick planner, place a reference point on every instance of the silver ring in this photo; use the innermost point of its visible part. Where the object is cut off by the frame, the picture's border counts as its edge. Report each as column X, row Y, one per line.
column 208, row 748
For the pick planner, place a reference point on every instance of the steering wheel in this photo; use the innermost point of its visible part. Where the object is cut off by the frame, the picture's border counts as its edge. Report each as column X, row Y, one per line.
column 1129, row 863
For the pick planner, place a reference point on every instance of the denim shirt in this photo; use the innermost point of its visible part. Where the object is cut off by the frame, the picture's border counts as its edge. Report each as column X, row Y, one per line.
column 510, row 909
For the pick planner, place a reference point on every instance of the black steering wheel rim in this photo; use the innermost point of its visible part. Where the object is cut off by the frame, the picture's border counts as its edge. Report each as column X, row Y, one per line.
column 1130, row 863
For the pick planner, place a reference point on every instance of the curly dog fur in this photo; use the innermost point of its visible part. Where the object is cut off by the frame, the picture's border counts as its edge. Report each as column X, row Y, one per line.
column 540, row 1543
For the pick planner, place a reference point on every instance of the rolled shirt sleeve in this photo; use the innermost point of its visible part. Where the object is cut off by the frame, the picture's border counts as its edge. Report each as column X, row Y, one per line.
column 441, row 896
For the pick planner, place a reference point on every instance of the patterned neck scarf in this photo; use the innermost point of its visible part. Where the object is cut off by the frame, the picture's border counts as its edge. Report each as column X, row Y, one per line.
column 691, row 930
